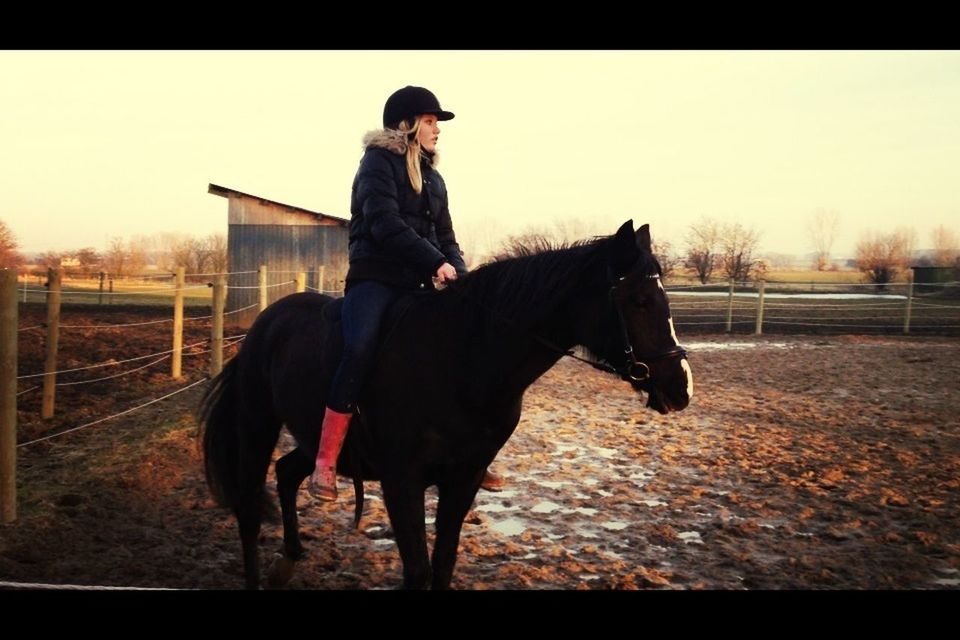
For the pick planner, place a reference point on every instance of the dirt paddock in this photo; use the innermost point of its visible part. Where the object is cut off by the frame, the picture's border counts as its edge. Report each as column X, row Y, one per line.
column 804, row 462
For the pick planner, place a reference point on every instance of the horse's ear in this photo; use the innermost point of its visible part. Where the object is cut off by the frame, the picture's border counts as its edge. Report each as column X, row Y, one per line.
column 625, row 234
column 624, row 248
column 643, row 237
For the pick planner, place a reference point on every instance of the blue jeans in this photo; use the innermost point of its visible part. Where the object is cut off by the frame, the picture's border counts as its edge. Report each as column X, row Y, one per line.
column 363, row 310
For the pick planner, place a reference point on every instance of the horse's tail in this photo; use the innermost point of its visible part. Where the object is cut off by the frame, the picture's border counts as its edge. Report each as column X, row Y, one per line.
column 221, row 436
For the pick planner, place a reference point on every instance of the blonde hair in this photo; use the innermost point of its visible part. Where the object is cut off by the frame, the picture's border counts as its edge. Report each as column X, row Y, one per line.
column 413, row 152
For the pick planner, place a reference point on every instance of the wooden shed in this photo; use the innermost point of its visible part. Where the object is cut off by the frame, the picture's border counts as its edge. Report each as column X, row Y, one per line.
column 285, row 238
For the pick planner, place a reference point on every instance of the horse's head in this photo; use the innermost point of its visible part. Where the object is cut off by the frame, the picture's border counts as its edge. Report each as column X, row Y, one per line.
column 637, row 335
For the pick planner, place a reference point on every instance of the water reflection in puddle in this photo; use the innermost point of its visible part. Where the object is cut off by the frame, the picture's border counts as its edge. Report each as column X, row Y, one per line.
column 509, row 527
column 495, row 507
column 690, row 537
column 545, row 507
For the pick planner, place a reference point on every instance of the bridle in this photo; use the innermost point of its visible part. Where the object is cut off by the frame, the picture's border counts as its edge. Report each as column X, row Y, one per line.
column 636, row 368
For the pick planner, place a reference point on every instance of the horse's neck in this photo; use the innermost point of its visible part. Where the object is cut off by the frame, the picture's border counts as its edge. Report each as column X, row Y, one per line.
column 508, row 359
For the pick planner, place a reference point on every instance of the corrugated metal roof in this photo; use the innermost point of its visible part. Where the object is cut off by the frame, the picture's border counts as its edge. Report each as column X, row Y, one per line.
column 226, row 192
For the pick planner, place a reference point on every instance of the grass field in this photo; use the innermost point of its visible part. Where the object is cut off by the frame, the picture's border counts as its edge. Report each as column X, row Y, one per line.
column 152, row 291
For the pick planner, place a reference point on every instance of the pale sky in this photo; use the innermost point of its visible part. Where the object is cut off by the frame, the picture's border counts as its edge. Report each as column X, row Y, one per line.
column 98, row 144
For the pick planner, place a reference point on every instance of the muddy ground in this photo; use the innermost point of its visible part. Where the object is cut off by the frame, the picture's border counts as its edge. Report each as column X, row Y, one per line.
column 804, row 462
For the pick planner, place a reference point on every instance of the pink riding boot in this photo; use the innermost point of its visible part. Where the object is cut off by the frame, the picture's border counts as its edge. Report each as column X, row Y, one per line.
column 323, row 482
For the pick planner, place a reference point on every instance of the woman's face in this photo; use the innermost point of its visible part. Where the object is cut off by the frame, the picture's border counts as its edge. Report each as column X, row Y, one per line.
column 428, row 133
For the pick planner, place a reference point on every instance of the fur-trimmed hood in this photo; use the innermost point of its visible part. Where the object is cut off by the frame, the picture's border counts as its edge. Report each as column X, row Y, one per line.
column 395, row 141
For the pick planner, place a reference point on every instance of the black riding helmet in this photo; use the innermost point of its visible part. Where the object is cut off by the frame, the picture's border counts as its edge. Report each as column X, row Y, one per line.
column 408, row 103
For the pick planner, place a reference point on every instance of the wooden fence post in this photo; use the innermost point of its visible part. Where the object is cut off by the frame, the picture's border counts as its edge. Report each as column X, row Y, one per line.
column 301, row 281
column 8, row 395
column 100, row 298
column 730, row 308
column 176, row 358
column 906, row 320
column 216, row 332
column 262, row 277
column 759, row 330
column 54, row 279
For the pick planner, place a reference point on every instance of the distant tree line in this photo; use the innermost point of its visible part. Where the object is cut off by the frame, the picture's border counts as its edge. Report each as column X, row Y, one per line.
column 130, row 257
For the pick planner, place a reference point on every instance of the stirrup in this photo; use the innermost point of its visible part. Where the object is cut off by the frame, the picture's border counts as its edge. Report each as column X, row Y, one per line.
column 323, row 484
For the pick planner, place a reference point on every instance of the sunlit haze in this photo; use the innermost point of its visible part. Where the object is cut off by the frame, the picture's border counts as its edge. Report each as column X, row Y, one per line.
column 99, row 144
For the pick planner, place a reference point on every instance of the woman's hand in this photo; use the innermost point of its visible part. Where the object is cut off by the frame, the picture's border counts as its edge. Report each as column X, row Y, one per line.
column 446, row 273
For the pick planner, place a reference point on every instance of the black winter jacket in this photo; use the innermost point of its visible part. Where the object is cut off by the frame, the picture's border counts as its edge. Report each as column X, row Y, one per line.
column 398, row 236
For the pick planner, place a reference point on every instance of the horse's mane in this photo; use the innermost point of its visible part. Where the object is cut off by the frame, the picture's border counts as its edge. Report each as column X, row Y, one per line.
column 524, row 286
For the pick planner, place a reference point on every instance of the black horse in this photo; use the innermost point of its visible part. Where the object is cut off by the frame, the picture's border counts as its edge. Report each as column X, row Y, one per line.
column 446, row 391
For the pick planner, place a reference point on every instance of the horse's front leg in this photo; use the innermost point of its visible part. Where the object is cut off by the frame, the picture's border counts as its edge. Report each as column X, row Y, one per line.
column 404, row 501
column 455, row 498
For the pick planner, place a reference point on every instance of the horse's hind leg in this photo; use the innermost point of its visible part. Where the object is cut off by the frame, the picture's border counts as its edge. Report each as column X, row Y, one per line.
column 453, row 503
column 256, row 449
column 292, row 470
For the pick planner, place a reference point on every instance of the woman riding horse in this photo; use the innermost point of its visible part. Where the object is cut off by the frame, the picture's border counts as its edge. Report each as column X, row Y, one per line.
column 401, row 237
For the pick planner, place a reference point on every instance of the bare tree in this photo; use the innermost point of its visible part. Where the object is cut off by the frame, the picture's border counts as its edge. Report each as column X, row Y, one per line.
column 167, row 244
column 50, row 259
column 115, row 259
column 822, row 227
column 138, row 254
column 946, row 248
column 148, row 248
column 669, row 261
column 737, row 245
column 88, row 258
column 702, row 240
column 216, row 244
column 882, row 255
column 570, row 230
column 10, row 257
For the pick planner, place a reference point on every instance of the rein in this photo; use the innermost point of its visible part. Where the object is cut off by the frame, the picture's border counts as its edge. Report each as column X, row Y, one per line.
column 635, row 369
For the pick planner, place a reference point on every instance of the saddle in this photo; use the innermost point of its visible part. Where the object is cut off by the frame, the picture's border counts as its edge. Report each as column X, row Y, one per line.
column 391, row 319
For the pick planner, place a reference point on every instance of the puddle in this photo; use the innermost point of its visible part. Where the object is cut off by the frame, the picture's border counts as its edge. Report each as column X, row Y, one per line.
column 509, row 527
column 545, row 507
column 495, row 507
column 947, row 582
column 734, row 346
column 690, row 537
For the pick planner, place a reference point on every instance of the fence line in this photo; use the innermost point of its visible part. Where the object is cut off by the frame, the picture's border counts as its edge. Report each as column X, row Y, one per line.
column 77, row 292
column 116, row 375
column 110, row 364
column 269, row 286
column 116, row 415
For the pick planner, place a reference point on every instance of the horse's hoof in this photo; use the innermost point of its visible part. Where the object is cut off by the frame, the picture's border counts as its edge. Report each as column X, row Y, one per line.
column 280, row 571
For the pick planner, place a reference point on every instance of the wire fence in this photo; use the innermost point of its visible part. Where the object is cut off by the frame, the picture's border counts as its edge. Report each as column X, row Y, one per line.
column 771, row 307
column 791, row 307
